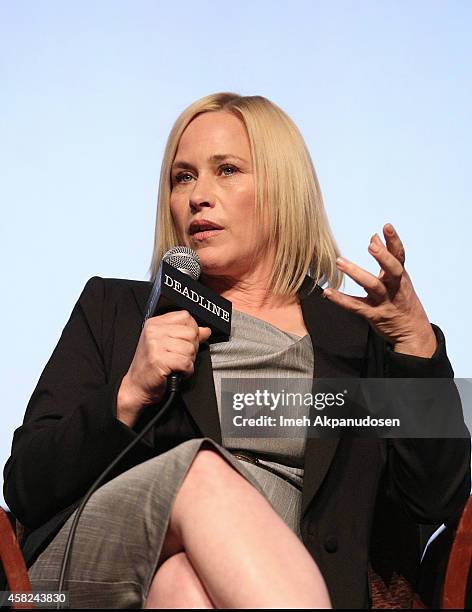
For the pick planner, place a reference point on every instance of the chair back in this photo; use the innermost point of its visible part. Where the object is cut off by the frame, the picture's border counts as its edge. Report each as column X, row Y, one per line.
column 459, row 563
column 12, row 561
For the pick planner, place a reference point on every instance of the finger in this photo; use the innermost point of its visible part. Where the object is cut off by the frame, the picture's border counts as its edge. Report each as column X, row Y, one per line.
column 372, row 284
column 394, row 244
column 185, row 332
column 194, row 335
column 355, row 304
column 179, row 316
column 179, row 347
column 392, row 269
column 179, row 363
column 203, row 334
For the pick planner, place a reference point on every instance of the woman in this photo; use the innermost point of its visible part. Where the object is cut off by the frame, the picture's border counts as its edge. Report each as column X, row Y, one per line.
column 189, row 506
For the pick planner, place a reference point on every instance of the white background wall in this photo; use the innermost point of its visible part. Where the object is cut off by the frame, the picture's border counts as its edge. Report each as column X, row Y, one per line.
column 90, row 89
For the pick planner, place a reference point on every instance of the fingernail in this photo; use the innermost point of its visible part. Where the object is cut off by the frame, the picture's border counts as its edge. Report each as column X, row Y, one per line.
column 326, row 293
column 389, row 229
column 340, row 261
column 373, row 247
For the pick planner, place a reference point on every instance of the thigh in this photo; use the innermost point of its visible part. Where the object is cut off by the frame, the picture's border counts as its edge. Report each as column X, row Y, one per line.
column 118, row 542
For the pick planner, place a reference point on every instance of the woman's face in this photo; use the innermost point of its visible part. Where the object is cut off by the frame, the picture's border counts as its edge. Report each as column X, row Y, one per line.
column 213, row 184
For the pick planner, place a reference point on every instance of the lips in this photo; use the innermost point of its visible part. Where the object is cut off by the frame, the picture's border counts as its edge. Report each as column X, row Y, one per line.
column 202, row 226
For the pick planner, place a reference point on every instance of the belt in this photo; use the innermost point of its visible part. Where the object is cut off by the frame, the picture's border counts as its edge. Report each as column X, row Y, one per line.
column 245, row 456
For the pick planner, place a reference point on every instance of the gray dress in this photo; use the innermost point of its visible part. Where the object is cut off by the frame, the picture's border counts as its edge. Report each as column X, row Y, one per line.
column 122, row 529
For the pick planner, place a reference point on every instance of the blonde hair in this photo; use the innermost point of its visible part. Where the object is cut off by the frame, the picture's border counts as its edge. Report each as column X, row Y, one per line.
column 284, row 178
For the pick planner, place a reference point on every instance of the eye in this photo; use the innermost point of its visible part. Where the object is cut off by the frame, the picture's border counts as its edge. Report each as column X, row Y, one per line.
column 228, row 167
column 179, row 177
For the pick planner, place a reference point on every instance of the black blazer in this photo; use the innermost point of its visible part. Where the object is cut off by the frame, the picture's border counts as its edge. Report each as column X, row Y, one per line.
column 70, row 434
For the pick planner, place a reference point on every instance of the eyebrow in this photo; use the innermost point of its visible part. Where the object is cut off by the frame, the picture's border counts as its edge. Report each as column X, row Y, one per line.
column 180, row 163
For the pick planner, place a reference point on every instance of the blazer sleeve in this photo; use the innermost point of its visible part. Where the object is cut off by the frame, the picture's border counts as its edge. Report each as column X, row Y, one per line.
column 429, row 477
column 70, row 433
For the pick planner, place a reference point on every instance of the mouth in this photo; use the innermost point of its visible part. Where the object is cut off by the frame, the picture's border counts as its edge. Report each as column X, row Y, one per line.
column 202, row 230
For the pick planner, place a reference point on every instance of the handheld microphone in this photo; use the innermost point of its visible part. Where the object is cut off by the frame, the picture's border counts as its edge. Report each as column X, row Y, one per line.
column 177, row 288
column 183, row 259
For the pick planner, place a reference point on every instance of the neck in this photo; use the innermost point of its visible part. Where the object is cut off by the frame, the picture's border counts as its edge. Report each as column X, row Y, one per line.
column 249, row 295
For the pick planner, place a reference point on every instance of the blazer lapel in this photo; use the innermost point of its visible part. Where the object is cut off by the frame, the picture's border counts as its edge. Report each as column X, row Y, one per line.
column 339, row 341
column 198, row 394
column 318, row 452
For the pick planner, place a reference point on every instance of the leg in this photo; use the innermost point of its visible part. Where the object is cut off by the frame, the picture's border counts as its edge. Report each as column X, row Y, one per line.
column 241, row 550
column 176, row 585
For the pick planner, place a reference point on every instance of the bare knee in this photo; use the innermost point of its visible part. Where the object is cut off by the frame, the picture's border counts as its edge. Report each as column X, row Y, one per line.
column 169, row 574
column 161, row 589
column 176, row 584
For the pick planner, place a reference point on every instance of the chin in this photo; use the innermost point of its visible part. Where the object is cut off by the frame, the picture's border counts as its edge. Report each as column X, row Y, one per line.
column 213, row 266
column 215, row 263
column 208, row 254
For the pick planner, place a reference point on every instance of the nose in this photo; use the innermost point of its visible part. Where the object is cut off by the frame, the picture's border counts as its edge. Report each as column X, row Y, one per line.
column 201, row 196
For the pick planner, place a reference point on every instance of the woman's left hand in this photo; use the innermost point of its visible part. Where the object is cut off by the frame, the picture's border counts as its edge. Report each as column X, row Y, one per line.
column 391, row 307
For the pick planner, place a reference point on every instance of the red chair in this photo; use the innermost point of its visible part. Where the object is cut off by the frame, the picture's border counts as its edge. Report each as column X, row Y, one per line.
column 12, row 561
column 460, row 563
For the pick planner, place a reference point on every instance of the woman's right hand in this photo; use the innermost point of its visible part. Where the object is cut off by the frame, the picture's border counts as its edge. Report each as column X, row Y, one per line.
column 168, row 343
